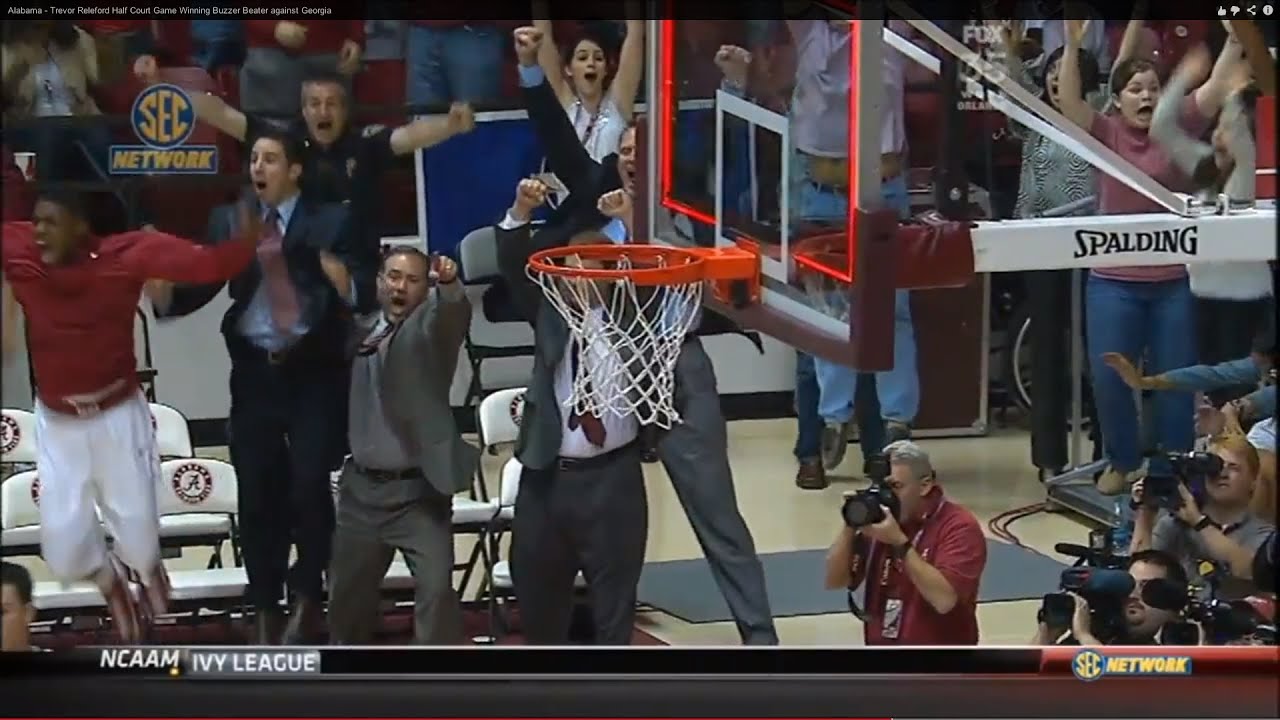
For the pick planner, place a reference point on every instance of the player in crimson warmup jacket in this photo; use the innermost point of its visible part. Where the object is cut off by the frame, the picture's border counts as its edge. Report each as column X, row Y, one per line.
column 94, row 433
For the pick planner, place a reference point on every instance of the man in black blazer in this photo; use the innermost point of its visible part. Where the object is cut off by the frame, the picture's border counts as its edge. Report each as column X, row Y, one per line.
column 694, row 451
column 286, row 334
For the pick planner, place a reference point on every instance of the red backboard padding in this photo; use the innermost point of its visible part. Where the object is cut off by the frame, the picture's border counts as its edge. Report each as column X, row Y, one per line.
column 1266, row 134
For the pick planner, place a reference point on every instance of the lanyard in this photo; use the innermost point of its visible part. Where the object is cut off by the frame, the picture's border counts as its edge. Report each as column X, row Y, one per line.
column 591, row 122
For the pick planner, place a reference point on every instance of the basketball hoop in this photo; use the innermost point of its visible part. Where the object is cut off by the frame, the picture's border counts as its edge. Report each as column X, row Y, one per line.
column 629, row 308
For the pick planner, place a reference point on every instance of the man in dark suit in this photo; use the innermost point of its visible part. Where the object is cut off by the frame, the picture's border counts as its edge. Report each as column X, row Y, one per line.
column 695, row 450
column 407, row 458
column 286, row 334
column 581, row 506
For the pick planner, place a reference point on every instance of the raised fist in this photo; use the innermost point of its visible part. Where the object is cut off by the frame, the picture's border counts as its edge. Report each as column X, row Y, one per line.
column 443, row 270
column 462, row 119
column 528, row 40
column 615, row 204
column 530, row 194
column 734, row 63
column 291, row 34
column 145, row 69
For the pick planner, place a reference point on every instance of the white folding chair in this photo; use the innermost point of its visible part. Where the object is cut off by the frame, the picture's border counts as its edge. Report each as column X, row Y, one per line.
column 173, row 433
column 498, row 423
column 20, row 515
column 20, row 519
column 17, row 440
column 198, row 506
column 478, row 255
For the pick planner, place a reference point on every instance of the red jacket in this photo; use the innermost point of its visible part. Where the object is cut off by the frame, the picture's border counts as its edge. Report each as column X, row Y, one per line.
column 114, row 27
column 323, row 36
column 81, row 315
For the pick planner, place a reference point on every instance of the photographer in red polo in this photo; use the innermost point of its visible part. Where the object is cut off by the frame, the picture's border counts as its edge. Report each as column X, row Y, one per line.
column 921, row 555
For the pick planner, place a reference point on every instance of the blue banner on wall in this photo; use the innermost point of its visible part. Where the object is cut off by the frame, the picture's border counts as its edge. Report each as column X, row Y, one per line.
column 471, row 179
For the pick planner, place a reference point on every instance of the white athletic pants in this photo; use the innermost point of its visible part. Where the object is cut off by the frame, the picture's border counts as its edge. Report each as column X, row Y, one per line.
column 105, row 463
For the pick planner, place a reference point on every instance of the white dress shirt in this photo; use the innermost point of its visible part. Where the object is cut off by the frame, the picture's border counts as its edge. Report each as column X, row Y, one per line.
column 603, row 364
column 621, row 427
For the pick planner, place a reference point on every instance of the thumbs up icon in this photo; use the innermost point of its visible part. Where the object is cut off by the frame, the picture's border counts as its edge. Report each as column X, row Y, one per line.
column 1222, row 11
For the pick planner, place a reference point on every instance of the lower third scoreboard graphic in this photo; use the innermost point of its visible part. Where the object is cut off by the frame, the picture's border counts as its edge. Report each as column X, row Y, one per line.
column 212, row 662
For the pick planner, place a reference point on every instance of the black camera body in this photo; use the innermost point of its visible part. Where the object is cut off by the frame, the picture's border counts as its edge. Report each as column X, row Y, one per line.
column 1223, row 623
column 865, row 507
column 1106, row 589
column 1194, row 469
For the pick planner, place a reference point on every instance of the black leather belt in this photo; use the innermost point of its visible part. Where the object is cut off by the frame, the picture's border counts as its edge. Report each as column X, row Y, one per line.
column 565, row 464
column 388, row 475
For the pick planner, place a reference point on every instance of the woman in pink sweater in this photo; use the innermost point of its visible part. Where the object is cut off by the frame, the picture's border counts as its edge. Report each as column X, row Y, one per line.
column 1140, row 312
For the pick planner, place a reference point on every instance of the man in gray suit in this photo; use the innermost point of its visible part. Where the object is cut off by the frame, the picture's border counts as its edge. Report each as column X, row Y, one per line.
column 581, row 506
column 407, row 458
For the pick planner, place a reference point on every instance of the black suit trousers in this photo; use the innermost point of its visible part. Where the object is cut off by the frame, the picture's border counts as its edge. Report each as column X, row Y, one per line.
column 287, row 426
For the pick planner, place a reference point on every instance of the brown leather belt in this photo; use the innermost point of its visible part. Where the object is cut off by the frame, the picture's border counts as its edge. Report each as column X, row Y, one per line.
column 833, row 173
column 93, row 403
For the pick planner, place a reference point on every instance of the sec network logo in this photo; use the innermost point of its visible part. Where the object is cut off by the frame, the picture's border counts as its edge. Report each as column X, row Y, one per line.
column 163, row 118
column 1090, row 665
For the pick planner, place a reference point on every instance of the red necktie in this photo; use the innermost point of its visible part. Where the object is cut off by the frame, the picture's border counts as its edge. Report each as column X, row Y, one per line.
column 281, row 295
column 370, row 344
column 591, row 425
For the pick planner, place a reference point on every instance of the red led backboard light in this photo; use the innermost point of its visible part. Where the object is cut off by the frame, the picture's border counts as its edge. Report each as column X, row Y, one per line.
column 668, row 105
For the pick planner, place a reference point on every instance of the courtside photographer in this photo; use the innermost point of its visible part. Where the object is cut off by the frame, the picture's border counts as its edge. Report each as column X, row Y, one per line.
column 1202, row 517
column 922, row 556
column 1112, row 600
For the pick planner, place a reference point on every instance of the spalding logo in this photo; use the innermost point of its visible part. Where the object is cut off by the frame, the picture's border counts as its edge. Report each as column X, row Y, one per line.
column 192, row 483
column 517, row 408
column 10, row 434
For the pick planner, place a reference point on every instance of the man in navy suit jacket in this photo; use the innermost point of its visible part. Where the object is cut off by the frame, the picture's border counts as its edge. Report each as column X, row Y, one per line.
column 286, row 334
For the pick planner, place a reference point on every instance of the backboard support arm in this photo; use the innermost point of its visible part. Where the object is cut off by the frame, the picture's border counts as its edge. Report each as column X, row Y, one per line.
column 1112, row 163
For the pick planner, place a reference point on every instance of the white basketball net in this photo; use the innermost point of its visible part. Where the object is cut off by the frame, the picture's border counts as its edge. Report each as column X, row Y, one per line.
column 627, row 339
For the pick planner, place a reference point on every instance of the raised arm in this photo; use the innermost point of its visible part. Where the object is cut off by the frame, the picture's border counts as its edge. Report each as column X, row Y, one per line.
column 215, row 111
column 445, row 317
column 169, row 300
column 626, row 82
column 548, row 55
column 1132, row 38
column 1257, row 53
column 568, row 159
column 516, row 243
column 1070, row 100
column 424, row 133
column 1212, row 95
column 157, row 255
column 1187, row 152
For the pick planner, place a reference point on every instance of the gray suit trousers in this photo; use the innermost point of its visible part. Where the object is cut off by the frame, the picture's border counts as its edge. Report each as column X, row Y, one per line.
column 376, row 518
column 696, row 456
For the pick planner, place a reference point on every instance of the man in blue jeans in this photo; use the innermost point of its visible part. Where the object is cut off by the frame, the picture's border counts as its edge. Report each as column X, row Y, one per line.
column 825, row 391
column 828, row 395
column 454, row 61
